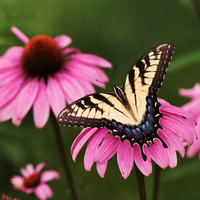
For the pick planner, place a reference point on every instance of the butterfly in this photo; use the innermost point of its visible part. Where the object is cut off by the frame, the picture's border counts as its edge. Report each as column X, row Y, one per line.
column 132, row 111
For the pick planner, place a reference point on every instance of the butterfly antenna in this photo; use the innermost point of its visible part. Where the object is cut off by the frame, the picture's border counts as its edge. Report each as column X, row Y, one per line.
column 103, row 82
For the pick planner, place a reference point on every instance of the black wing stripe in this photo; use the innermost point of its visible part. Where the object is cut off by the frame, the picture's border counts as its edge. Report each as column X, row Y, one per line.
column 131, row 78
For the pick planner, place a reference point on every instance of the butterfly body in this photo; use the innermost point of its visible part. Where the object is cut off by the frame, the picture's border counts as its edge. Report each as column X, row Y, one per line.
column 132, row 111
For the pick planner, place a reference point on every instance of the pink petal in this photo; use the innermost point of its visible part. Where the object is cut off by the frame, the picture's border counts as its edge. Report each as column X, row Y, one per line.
column 8, row 75
column 19, row 34
column 24, row 100
column 28, row 170
column 191, row 93
column 72, row 89
column 195, row 147
column 180, row 129
column 41, row 107
column 56, row 96
column 101, row 169
column 6, row 112
column 49, row 175
column 191, row 107
column 9, row 91
column 107, row 149
column 91, row 59
column 90, row 73
column 80, row 140
column 39, row 167
column 63, row 40
column 87, row 86
column 158, row 153
column 17, row 182
column 144, row 166
column 43, row 192
column 92, row 146
column 125, row 158
column 174, row 139
column 170, row 150
column 70, row 50
column 12, row 54
column 170, row 110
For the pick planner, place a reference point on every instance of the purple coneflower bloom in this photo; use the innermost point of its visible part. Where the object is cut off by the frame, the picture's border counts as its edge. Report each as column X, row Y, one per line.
column 33, row 181
column 45, row 74
column 193, row 108
column 177, row 125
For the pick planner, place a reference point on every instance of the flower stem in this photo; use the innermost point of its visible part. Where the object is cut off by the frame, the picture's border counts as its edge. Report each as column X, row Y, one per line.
column 141, row 184
column 196, row 5
column 156, row 182
column 61, row 149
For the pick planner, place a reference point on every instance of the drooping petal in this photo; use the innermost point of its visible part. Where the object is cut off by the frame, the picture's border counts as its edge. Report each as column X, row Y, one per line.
column 13, row 53
column 43, row 191
column 30, row 169
column 17, row 182
column 191, row 93
column 49, row 175
column 9, row 91
column 63, row 40
column 24, row 100
column 174, row 139
column 171, row 151
column 125, row 158
column 92, row 146
column 41, row 107
column 39, row 167
column 80, row 140
column 87, row 86
column 19, row 34
column 91, row 59
column 27, row 171
column 90, row 73
column 144, row 166
column 195, row 147
column 170, row 110
column 70, row 50
column 55, row 96
column 159, row 154
column 6, row 112
column 192, row 106
column 72, row 89
column 101, row 169
column 7, row 75
column 180, row 129
column 107, row 149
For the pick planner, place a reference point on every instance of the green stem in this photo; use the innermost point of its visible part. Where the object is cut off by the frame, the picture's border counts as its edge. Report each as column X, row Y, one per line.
column 141, row 184
column 63, row 156
column 196, row 5
column 156, row 182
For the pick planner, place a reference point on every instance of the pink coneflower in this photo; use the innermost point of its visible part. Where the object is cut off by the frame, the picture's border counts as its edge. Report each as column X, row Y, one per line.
column 193, row 108
column 45, row 75
column 33, row 181
column 176, row 125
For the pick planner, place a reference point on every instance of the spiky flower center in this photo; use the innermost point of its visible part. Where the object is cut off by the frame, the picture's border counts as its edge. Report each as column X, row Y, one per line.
column 32, row 180
column 42, row 56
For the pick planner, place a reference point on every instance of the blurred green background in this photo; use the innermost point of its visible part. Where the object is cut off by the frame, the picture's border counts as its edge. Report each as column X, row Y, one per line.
column 121, row 32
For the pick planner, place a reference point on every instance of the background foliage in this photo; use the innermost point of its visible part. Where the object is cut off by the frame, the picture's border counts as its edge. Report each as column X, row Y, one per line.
column 121, row 32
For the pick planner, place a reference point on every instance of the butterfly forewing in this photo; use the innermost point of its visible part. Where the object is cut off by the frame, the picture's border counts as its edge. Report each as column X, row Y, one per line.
column 148, row 72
